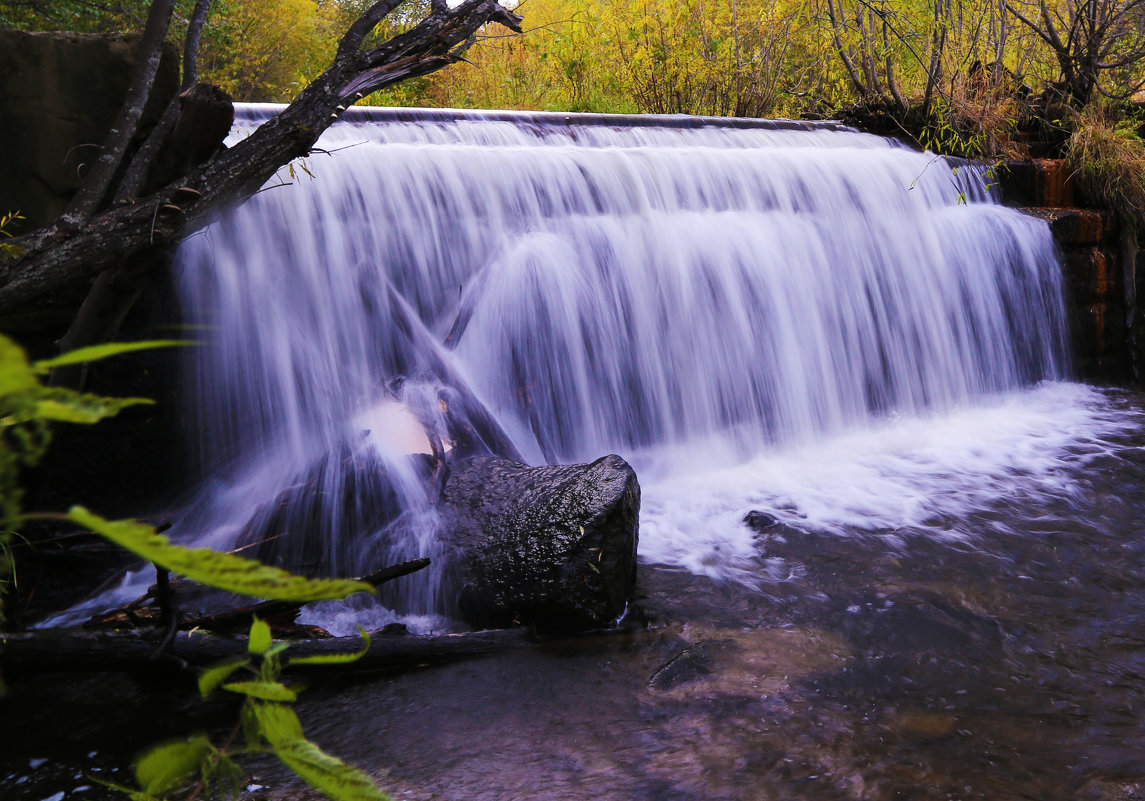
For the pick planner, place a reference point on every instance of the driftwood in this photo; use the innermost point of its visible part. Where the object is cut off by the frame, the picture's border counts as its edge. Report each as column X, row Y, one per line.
column 285, row 612
column 135, row 651
column 551, row 546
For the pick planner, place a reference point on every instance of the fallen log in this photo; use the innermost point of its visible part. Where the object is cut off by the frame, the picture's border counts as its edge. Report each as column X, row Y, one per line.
column 135, row 651
column 285, row 612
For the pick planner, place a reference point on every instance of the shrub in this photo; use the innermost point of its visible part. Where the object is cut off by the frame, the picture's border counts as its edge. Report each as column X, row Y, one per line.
column 1107, row 157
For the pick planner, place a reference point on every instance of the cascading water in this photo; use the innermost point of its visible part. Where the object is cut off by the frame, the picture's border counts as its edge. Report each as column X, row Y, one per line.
column 742, row 310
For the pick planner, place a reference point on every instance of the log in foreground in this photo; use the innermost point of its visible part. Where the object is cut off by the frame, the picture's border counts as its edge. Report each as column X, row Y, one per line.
column 551, row 546
column 35, row 651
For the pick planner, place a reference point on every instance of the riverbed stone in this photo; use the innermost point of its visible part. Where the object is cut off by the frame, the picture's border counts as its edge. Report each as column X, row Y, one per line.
column 551, row 546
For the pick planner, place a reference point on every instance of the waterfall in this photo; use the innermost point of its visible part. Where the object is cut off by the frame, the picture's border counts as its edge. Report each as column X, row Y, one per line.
column 565, row 286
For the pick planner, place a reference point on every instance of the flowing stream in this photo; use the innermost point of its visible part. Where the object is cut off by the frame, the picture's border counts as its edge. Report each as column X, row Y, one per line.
column 940, row 594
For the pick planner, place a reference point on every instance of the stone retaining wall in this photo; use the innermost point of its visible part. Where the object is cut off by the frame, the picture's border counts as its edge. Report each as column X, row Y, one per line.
column 1099, row 260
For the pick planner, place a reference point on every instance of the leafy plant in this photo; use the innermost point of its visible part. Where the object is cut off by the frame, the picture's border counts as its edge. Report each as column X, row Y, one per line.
column 27, row 406
column 268, row 724
column 221, row 570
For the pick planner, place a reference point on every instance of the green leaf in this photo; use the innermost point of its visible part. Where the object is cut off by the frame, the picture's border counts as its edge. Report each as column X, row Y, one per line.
column 97, row 352
column 222, row 570
column 276, row 649
column 321, row 771
column 260, row 638
column 15, row 373
column 252, row 727
column 329, row 775
column 166, row 767
column 227, row 771
column 277, row 723
column 335, row 659
column 215, row 675
column 66, row 406
column 266, row 690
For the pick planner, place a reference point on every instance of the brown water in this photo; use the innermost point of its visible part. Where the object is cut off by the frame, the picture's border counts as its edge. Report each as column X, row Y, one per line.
column 1006, row 665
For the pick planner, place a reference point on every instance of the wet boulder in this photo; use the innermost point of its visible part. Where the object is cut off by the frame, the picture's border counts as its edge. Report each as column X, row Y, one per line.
column 551, row 546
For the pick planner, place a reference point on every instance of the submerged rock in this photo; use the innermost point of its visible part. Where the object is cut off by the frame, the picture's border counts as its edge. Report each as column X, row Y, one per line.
column 552, row 546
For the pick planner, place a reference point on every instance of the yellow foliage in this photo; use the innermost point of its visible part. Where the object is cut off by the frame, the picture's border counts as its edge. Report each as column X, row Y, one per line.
column 267, row 50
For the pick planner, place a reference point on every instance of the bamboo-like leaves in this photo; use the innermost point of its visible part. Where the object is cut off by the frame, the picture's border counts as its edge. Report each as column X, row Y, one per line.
column 221, row 570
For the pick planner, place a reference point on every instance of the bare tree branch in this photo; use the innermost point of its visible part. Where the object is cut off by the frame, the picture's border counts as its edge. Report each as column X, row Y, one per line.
column 95, row 186
column 144, row 159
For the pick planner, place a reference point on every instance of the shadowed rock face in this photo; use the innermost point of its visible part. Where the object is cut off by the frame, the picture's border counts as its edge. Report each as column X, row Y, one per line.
column 554, row 546
column 59, row 93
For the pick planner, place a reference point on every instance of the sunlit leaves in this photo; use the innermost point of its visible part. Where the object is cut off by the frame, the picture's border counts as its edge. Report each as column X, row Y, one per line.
column 98, row 352
column 16, row 374
column 27, row 407
column 329, row 775
column 260, row 639
column 266, row 721
column 59, row 405
column 264, row 690
column 277, row 723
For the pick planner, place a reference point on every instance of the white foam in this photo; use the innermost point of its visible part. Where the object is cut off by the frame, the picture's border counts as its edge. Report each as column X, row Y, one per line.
column 922, row 473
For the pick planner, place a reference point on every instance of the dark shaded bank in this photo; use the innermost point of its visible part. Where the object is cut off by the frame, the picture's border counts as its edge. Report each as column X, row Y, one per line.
column 1101, row 262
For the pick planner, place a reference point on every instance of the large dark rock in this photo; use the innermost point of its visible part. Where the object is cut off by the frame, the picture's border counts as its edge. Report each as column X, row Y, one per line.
column 59, row 94
column 552, row 546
